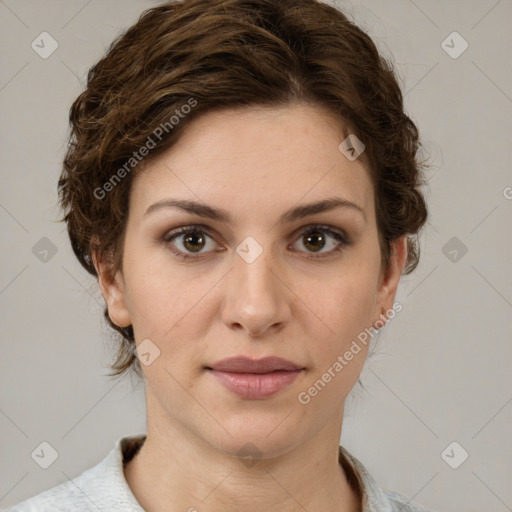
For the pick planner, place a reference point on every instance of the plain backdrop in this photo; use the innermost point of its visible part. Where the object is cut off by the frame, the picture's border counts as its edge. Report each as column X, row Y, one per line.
column 442, row 372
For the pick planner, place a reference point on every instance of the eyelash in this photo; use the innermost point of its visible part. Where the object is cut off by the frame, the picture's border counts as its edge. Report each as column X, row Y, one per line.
column 195, row 228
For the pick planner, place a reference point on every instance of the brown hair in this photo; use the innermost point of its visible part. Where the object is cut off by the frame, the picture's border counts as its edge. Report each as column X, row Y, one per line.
column 214, row 54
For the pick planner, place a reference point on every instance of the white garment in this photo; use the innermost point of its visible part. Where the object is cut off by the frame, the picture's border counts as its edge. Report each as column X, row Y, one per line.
column 104, row 488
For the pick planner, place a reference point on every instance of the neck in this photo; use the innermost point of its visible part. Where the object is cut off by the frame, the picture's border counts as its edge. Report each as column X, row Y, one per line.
column 176, row 467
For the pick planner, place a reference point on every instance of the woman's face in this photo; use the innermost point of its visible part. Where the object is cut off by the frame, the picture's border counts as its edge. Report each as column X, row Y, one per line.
column 264, row 274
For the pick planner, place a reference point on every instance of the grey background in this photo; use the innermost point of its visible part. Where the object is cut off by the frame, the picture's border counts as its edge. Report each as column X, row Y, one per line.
column 443, row 371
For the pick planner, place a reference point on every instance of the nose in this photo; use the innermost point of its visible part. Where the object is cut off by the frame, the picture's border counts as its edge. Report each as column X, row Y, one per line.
column 257, row 300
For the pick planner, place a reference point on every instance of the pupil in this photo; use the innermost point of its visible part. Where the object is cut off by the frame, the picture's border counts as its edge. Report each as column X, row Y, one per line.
column 315, row 239
column 194, row 237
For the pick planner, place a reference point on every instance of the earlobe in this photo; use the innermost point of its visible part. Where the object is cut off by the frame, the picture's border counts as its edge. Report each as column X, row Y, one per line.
column 113, row 291
column 389, row 281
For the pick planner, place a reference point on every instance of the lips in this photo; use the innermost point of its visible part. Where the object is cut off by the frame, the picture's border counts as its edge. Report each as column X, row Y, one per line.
column 255, row 379
column 246, row 365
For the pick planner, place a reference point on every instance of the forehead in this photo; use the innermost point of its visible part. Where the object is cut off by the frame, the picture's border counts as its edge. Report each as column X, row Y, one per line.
column 255, row 158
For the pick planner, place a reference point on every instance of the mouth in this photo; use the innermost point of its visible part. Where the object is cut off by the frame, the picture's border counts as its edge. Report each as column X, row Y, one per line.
column 255, row 378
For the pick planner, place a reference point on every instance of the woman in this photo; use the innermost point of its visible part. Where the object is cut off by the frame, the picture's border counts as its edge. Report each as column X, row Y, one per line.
column 243, row 181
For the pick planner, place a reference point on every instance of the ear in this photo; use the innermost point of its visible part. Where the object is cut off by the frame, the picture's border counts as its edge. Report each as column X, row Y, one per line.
column 389, row 279
column 113, row 290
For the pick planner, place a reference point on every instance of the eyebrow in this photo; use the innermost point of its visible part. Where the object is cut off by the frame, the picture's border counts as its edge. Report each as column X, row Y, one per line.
column 218, row 214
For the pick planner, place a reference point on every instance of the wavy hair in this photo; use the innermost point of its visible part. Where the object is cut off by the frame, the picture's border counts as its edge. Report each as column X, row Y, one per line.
column 225, row 54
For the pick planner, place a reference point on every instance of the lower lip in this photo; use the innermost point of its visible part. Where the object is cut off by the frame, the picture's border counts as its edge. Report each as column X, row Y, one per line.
column 256, row 385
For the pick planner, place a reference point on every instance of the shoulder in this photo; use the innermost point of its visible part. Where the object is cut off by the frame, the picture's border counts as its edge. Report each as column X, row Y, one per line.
column 64, row 497
column 401, row 503
column 374, row 498
column 72, row 495
column 101, row 487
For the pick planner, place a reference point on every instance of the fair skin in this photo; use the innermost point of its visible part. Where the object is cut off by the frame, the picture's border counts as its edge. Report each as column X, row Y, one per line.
column 255, row 164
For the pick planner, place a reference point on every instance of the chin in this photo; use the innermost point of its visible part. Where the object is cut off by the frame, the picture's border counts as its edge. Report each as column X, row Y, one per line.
column 259, row 434
column 251, row 448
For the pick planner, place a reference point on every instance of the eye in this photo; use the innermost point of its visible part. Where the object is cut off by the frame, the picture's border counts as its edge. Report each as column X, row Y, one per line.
column 317, row 238
column 189, row 240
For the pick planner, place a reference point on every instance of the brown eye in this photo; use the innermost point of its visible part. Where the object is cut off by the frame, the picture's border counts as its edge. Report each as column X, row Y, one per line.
column 314, row 240
column 318, row 238
column 186, row 242
column 194, row 242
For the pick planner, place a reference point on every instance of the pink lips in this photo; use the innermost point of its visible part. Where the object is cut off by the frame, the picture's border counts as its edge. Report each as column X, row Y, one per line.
column 255, row 379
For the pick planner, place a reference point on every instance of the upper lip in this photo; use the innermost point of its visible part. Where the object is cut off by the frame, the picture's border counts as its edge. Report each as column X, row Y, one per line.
column 242, row 364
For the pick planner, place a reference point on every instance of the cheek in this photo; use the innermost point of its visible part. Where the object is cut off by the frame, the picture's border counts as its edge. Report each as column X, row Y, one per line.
column 156, row 292
column 345, row 305
column 152, row 302
column 340, row 355
column 165, row 304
